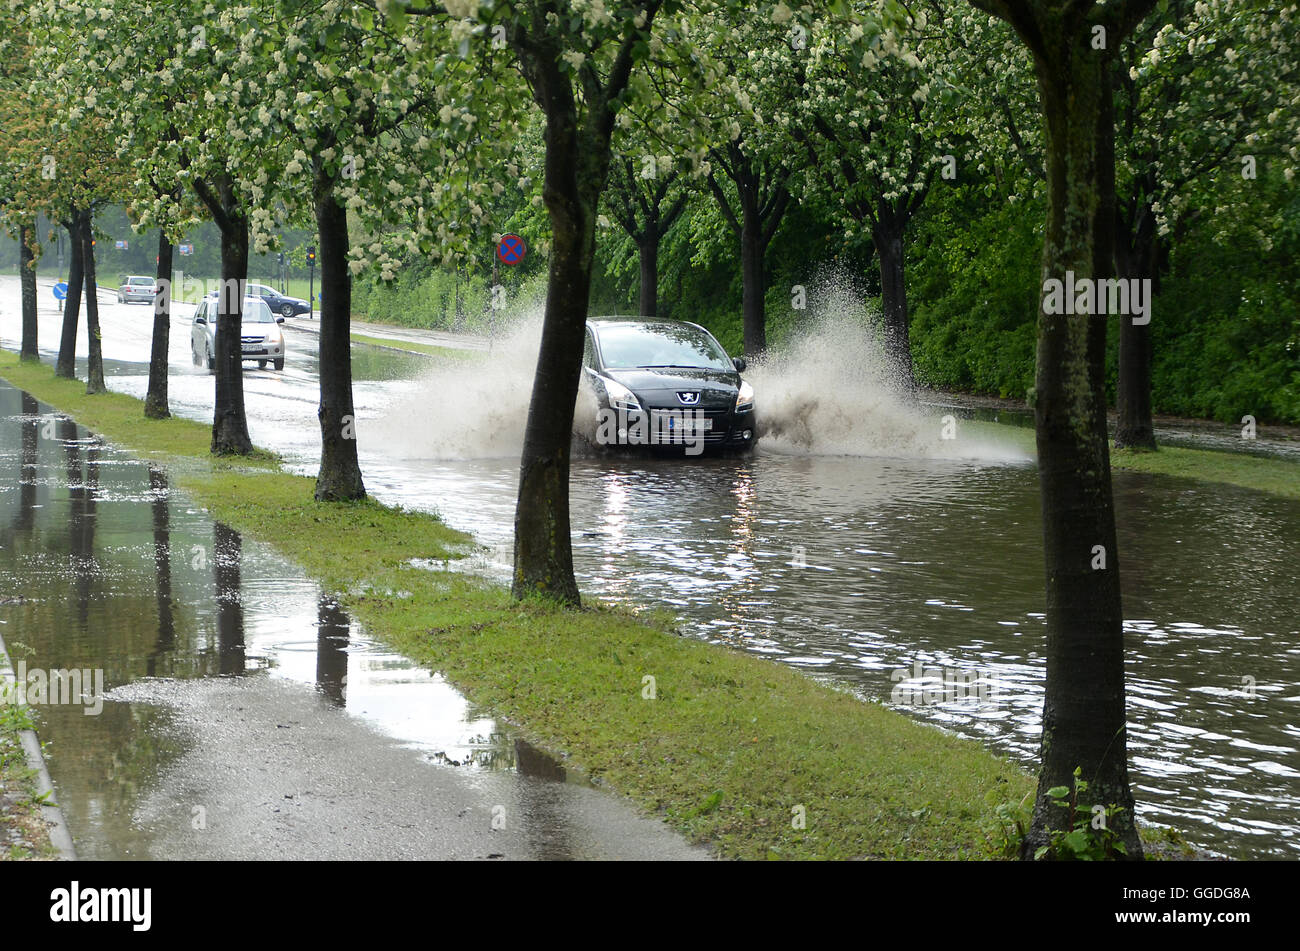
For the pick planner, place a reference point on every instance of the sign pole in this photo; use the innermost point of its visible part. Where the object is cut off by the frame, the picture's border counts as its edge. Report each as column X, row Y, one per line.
column 311, row 283
column 492, row 298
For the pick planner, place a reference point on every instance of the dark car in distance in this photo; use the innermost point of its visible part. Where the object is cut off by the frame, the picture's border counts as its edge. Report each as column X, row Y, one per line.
column 279, row 303
column 666, row 383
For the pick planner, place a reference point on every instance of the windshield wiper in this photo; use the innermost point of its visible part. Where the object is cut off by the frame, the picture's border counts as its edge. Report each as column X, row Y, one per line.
column 670, row 366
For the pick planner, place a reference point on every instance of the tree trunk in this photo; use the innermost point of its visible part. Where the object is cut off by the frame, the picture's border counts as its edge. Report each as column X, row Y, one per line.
column 67, row 362
column 1134, row 428
column 1083, row 709
column 94, row 348
column 649, row 252
column 229, row 424
column 27, row 278
column 543, row 546
column 340, row 472
column 155, row 401
column 752, row 277
column 887, row 236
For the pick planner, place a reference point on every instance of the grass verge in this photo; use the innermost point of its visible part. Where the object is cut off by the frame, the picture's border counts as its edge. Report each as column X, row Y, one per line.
column 448, row 353
column 23, row 832
column 730, row 749
column 1271, row 474
column 1261, row 473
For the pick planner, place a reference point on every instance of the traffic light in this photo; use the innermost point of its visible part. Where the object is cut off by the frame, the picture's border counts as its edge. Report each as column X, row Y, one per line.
column 311, row 255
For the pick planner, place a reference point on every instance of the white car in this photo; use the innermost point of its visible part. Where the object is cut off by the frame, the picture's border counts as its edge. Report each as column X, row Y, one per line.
column 136, row 290
column 260, row 336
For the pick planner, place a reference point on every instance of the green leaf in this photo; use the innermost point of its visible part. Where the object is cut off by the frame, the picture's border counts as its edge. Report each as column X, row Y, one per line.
column 1076, row 841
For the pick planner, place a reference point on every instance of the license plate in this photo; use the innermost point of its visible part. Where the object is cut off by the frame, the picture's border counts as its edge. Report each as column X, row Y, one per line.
column 252, row 347
column 689, row 424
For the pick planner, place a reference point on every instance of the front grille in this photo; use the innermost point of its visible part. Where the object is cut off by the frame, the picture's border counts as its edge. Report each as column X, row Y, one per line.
column 718, row 431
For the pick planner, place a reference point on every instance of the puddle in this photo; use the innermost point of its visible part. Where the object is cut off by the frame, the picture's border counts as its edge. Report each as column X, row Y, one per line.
column 104, row 568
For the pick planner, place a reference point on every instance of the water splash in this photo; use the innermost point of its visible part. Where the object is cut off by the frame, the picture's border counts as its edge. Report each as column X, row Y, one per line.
column 828, row 391
column 471, row 409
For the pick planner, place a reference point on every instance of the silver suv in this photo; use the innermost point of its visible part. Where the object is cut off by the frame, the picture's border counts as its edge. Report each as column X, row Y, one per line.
column 260, row 336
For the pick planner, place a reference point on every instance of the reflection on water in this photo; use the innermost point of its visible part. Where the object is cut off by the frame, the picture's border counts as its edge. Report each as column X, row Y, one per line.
column 332, row 630
column 102, row 568
column 857, row 568
column 850, row 568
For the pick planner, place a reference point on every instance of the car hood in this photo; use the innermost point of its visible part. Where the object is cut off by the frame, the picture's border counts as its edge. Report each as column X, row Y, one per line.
column 659, row 387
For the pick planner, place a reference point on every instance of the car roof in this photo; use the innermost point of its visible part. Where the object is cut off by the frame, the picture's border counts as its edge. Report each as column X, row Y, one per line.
column 215, row 293
column 648, row 322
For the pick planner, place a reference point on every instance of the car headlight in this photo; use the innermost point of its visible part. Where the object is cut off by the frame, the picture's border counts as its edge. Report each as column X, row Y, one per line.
column 745, row 398
column 620, row 397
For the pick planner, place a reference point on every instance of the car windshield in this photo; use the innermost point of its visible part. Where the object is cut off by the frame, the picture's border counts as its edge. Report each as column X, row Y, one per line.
column 146, row 281
column 623, row 346
column 255, row 310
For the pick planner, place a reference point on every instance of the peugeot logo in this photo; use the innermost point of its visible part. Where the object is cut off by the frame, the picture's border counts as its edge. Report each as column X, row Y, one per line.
column 688, row 398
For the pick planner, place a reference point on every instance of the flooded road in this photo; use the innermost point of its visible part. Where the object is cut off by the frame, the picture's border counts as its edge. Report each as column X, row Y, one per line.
column 883, row 560
column 242, row 714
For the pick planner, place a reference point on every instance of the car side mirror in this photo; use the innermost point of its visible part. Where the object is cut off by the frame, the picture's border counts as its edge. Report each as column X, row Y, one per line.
column 200, row 320
column 279, row 320
column 740, row 364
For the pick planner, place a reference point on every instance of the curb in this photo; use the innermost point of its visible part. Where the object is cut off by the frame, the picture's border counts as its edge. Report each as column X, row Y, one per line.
column 58, row 832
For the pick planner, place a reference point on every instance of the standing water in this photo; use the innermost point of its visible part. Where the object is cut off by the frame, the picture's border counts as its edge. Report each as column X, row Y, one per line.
column 858, row 544
column 235, row 712
column 862, row 546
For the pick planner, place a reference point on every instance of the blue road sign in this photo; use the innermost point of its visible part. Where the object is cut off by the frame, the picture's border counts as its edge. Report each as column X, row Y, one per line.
column 61, row 291
column 510, row 249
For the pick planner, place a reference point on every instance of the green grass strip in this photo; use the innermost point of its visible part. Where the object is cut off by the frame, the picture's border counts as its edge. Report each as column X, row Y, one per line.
column 449, row 353
column 20, row 805
column 1273, row 474
column 1261, row 473
column 732, row 750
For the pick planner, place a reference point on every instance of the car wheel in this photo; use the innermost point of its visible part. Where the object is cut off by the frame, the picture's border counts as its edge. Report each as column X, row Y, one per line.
column 211, row 360
column 279, row 364
column 261, row 364
column 287, row 310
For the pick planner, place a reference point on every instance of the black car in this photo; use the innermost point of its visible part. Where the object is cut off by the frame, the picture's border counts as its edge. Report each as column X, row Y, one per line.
column 279, row 303
column 666, row 383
